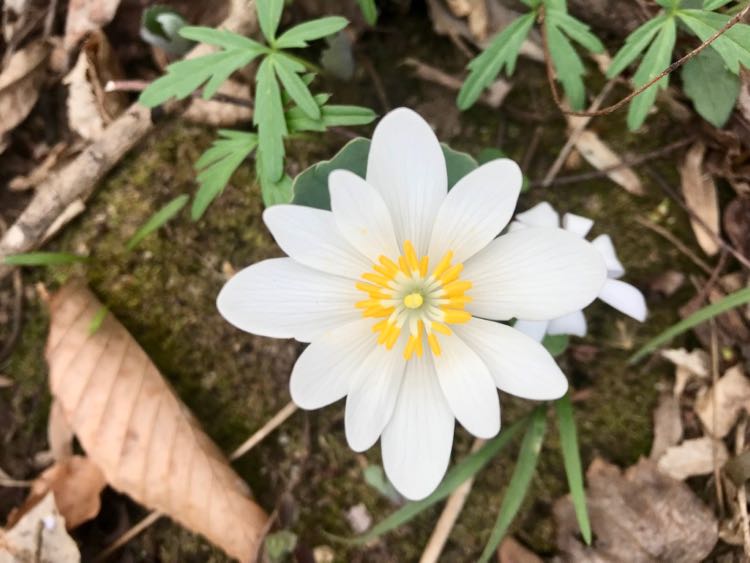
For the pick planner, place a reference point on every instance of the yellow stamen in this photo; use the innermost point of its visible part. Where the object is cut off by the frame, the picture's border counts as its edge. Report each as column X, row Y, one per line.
column 380, row 326
column 413, row 300
column 411, row 256
column 454, row 316
column 424, row 264
column 377, row 279
column 389, row 264
column 418, row 348
column 444, row 264
column 434, row 344
column 378, row 312
column 404, row 265
column 451, row 274
column 456, row 288
column 392, row 337
column 441, row 328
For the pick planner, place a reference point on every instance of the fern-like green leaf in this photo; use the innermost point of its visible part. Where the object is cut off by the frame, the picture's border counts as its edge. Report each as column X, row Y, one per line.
column 635, row 44
column 300, row 35
column 733, row 45
column 269, row 118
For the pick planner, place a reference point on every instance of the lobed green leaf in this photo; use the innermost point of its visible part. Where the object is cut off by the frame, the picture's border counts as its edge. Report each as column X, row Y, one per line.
column 269, row 15
column 300, row 35
column 568, row 64
column 269, row 118
column 712, row 88
column 733, row 45
column 369, row 11
column 634, row 45
column 294, row 85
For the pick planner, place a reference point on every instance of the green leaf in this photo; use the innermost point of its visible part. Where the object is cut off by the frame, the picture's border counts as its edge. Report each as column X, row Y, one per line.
column 299, row 35
column 217, row 165
column 501, row 53
column 713, row 89
column 576, row 30
column 490, row 153
column 458, row 163
column 158, row 219
column 330, row 116
column 572, row 459
column 221, row 38
column 634, row 45
column 275, row 193
column 519, row 481
column 269, row 15
column 376, row 478
column 729, row 302
column 657, row 58
column 568, row 65
column 556, row 344
column 43, row 259
column 98, row 319
column 466, row 468
column 269, row 118
column 279, row 544
column 369, row 11
column 711, row 5
column 733, row 45
column 294, row 85
column 310, row 187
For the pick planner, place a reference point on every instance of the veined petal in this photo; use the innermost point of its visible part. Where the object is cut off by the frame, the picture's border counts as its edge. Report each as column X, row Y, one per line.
column 372, row 397
column 310, row 237
column 604, row 245
column 323, row 372
column 519, row 365
column 532, row 329
column 625, row 298
column 416, row 442
column 283, row 299
column 572, row 323
column 541, row 215
column 534, row 274
column 477, row 208
column 406, row 165
column 468, row 387
column 361, row 215
column 577, row 224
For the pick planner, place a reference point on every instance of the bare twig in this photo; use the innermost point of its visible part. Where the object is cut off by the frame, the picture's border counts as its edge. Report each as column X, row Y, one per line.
column 715, row 380
column 677, row 243
column 447, row 520
column 277, row 420
column 614, row 107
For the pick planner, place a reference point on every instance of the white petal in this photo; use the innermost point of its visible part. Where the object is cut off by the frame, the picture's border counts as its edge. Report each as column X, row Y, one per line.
column 416, row 443
column 604, row 245
column 534, row 274
column 625, row 298
column 577, row 224
column 361, row 215
column 311, row 237
column 541, row 215
column 533, row 329
column 372, row 397
column 323, row 372
column 572, row 323
column 283, row 299
column 520, row 366
column 476, row 209
column 406, row 165
column 468, row 387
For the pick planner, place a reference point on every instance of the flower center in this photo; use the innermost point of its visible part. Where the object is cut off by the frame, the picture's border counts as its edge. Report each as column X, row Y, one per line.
column 406, row 294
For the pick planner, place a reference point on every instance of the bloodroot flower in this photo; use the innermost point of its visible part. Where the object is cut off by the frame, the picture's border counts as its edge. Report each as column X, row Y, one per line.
column 621, row 295
column 393, row 289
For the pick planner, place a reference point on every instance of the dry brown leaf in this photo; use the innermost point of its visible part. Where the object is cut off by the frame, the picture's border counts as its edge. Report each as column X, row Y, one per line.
column 600, row 156
column 39, row 537
column 732, row 396
column 667, row 425
column 76, row 483
column 5, row 381
column 85, row 16
column 90, row 108
column 511, row 551
column 699, row 190
column 59, row 433
column 639, row 516
column 133, row 426
column 693, row 457
column 40, row 172
column 693, row 364
column 737, row 223
column 20, row 82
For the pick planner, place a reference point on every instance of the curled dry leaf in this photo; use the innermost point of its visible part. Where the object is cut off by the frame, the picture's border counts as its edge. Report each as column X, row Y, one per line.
column 640, row 516
column 599, row 155
column 699, row 456
column 699, row 191
column 85, row 16
column 667, row 425
column 737, row 223
column 730, row 396
column 76, row 484
column 693, row 364
column 512, row 551
column 20, row 82
column 144, row 439
column 39, row 536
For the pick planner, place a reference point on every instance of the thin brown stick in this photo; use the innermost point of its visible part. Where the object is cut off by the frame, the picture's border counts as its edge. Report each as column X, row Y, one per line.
column 129, row 535
column 277, row 420
column 714, row 449
column 677, row 243
column 448, row 517
column 614, row 107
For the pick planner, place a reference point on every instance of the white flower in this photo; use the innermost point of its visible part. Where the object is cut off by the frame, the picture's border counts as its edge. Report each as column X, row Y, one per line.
column 620, row 295
column 392, row 288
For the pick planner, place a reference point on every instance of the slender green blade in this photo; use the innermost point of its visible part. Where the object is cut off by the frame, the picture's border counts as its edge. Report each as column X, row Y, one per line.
column 369, row 11
column 269, row 117
column 711, row 5
column 568, row 65
column 269, row 15
column 634, row 45
column 158, row 220
column 221, row 38
column 729, row 302
column 330, row 116
column 519, row 481
column 577, row 30
column 300, row 35
column 462, row 471
column 295, row 86
column 572, row 459
column 43, row 259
